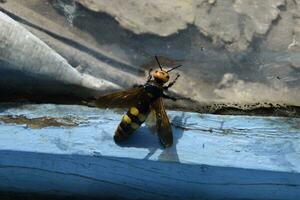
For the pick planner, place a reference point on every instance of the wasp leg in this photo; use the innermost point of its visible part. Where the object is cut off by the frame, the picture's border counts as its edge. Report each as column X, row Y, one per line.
column 169, row 97
column 148, row 80
column 137, row 86
column 172, row 83
column 149, row 76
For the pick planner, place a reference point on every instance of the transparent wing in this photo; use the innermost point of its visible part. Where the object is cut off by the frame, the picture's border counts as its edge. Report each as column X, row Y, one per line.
column 162, row 123
column 151, row 121
column 122, row 99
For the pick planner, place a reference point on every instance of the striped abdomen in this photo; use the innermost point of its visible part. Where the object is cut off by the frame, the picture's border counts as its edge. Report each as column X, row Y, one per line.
column 132, row 120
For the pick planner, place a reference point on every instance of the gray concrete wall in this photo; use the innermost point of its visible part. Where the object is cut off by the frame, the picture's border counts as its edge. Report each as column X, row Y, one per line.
column 238, row 54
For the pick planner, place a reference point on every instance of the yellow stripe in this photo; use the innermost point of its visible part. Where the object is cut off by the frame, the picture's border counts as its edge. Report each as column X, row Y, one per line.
column 141, row 117
column 150, row 94
column 126, row 119
column 134, row 111
column 134, row 125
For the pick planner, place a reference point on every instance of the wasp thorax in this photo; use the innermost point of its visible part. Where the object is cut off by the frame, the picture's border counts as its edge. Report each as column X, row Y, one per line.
column 161, row 75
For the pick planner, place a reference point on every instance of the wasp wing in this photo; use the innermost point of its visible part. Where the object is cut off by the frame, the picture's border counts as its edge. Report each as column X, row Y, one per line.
column 162, row 123
column 151, row 121
column 122, row 99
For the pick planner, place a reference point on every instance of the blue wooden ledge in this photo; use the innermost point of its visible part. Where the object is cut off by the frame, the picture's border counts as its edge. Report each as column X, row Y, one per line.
column 213, row 156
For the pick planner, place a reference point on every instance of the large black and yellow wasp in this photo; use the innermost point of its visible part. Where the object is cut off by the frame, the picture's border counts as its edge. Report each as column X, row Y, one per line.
column 141, row 100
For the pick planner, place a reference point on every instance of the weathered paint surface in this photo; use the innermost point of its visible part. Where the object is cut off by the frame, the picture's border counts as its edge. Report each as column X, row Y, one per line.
column 215, row 157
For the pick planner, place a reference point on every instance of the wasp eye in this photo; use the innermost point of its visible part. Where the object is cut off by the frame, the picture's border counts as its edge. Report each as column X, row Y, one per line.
column 155, row 71
column 168, row 76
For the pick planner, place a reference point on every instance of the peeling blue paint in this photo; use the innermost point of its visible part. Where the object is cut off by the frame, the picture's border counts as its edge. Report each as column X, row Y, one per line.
column 257, row 157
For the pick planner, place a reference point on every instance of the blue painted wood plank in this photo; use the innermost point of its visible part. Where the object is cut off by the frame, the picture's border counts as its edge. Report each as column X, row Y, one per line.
column 213, row 156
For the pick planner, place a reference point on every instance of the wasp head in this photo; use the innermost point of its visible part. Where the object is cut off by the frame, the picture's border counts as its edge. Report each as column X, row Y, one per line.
column 161, row 76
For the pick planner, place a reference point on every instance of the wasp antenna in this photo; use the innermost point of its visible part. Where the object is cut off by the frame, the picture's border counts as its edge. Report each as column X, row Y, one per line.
column 174, row 68
column 158, row 62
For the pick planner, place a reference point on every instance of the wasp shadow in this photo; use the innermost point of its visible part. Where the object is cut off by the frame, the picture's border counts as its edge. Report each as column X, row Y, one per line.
column 144, row 138
column 178, row 124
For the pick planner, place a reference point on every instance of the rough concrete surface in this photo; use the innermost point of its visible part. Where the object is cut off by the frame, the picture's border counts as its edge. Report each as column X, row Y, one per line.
column 233, row 52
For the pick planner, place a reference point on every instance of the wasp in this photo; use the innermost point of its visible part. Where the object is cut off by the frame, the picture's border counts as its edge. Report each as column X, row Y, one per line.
column 141, row 100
